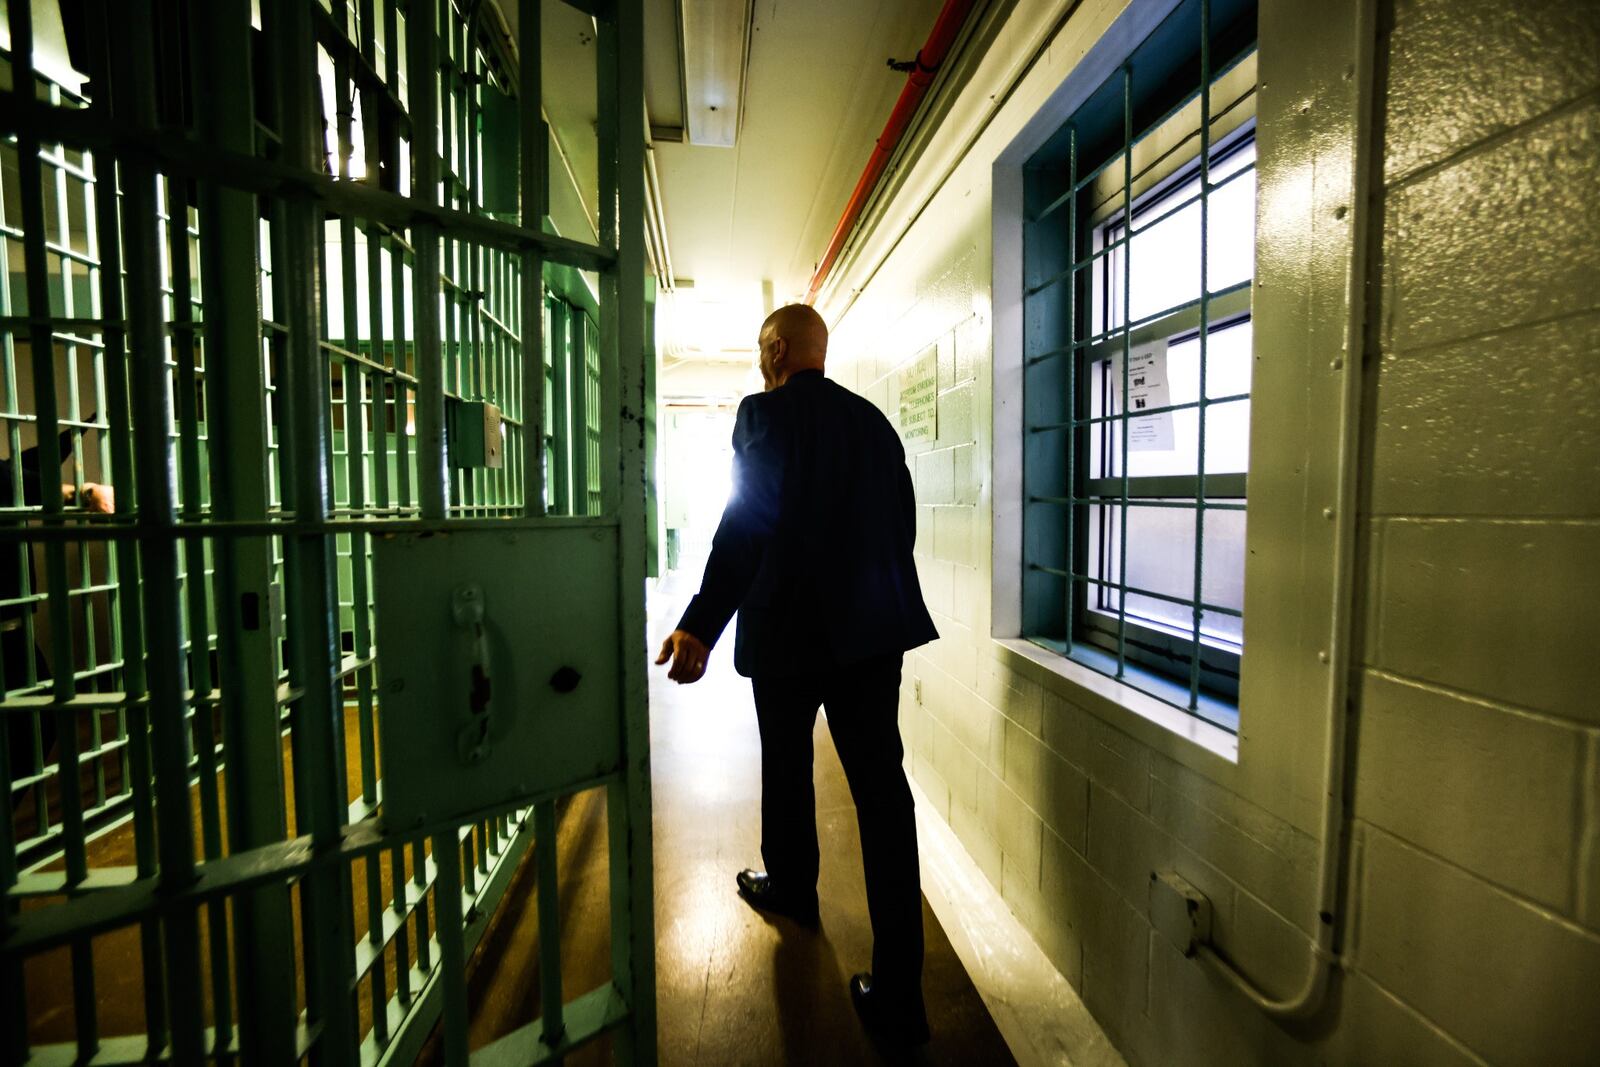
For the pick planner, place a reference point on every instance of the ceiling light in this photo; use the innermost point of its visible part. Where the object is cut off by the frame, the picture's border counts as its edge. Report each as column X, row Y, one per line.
column 715, row 36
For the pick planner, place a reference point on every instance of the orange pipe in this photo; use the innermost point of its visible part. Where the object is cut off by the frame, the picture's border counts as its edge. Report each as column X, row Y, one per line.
column 951, row 18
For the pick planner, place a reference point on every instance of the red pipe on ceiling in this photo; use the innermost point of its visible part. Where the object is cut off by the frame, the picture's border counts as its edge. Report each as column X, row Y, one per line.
column 951, row 18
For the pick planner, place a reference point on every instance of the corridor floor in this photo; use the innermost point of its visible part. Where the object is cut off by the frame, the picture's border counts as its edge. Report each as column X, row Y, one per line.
column 733, row 987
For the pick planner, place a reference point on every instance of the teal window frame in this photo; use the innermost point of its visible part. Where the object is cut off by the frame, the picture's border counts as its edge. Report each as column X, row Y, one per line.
column 1072, row 604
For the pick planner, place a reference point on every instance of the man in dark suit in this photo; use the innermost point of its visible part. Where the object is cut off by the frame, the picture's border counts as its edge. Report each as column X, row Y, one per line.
column 814, row 553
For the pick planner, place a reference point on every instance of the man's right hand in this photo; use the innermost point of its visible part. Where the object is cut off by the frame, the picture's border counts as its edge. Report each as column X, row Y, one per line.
column 688, row 655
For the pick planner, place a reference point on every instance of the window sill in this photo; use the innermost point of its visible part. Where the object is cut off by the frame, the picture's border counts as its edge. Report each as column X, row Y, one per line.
column 1174, row 733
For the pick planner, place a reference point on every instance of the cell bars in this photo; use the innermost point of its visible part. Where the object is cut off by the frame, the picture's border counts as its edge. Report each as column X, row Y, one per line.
column 1062, row 336
column 250, row 269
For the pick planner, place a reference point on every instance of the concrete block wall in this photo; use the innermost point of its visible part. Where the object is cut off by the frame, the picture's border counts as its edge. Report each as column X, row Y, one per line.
column 1472, row 932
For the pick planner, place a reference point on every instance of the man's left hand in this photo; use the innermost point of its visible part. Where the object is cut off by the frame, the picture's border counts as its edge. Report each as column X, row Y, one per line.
column 688, row 655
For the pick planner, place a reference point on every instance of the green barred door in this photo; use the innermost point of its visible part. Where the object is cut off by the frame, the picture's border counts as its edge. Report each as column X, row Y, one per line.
column 339, row 588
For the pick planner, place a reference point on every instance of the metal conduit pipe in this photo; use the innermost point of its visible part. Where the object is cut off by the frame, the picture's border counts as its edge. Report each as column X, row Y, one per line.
column 1339, row 767
column 933, row 52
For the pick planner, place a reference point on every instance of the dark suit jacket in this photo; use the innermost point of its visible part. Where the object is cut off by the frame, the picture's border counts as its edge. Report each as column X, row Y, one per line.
column 814, row 547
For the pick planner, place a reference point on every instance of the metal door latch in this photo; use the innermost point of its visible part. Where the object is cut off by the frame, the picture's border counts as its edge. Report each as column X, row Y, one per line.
column 467, row 608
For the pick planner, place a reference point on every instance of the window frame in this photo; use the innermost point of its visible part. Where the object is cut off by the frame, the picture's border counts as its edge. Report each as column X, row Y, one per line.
column 1087, row 629
column 1317, row 158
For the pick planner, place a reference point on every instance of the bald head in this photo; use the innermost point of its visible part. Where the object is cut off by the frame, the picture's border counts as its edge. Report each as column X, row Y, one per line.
column 793, row 338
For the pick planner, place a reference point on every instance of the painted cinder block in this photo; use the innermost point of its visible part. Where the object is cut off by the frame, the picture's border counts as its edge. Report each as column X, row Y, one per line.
column 1019, row 699
column 1067, row 728
column 1511, row 981
column 977, row 837
column 924, row 545
column 970, row 719
column 935, row 475
column 1016, row 827
column 1262, row 854
column 1116, row 973
column 1115, row 762
column 1376, row 1027
column 1446, row 443
column 1125, row 848
column 953, row 534
column 1062, row 872
column 1589, row 844
column 967, row 593
column 938, row 584
column 1487, row 789
column 956, row 416
column 1448, row 237
column 968, row 474
column 1198, row 1021
column 957, row 765
column 932, row 785
column 1053, row 788
column 1463, row 70
column 958, row 652
column 1506, row 609
column 1273, row 951
column 973, row 346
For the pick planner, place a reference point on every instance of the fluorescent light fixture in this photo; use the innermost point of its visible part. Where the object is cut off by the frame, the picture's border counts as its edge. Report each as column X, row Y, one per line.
column 715, row 35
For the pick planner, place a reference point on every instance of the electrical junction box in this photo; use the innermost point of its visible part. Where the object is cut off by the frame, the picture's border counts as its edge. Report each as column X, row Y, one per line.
column 473, row 430
column 499, row 667
column 1180, row 911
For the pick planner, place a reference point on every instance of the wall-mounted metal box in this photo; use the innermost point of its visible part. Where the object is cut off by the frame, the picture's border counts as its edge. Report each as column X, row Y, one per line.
column 473, row 429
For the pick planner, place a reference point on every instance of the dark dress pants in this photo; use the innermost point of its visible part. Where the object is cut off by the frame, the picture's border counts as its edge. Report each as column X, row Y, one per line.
column 863, row 717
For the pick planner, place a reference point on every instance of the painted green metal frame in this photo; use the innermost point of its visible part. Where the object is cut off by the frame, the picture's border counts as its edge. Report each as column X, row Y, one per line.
column 293, row 292
column 1060, row 344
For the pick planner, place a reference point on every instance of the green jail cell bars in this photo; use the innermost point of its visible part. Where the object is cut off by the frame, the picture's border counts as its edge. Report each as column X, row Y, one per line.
column 261, row 261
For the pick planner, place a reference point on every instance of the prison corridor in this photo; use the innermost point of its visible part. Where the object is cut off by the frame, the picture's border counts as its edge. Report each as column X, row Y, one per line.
column 375, row 376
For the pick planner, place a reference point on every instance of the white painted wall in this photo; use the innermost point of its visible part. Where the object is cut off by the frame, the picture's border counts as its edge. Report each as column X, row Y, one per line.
column 1472, row 928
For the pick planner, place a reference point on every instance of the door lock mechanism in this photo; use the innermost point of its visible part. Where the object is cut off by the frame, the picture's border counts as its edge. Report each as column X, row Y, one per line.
column 467, row 609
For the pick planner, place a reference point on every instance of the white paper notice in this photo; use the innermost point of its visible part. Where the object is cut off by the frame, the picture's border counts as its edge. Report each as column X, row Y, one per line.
column 1147, row 389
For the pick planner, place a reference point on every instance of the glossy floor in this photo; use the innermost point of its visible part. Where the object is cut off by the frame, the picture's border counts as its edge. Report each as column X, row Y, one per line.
column 733, row 987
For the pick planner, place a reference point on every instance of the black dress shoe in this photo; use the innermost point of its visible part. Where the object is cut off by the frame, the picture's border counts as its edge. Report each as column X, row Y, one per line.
column 901, row 1019
column 763, row 894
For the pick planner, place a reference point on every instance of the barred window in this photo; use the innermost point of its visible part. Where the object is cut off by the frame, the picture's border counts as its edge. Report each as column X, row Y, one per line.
column 1138, row 260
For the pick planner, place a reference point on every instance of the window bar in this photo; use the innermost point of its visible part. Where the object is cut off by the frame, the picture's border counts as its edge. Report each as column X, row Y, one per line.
column 355, row 379
column 183, row 329
column 236, row 430
column 158, row 553
column 561, row 364
column 531, row 177
column 452, row 957
column 1071, row 365
column 42, row 346
column 72, row 343
column 14, row 1045
column 406, row 495
column 1127, row 335
column 316, row 734
column 607, row 72
column 1205, row 333
column 424, row 88
column 473, row 71
column 125, row 553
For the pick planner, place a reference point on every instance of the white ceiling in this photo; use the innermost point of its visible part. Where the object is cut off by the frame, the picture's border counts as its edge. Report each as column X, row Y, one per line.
column 745, row 225
column 817, row 95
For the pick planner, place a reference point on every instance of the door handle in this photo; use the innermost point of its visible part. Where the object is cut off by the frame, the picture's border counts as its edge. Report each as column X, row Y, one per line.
column 468, row 609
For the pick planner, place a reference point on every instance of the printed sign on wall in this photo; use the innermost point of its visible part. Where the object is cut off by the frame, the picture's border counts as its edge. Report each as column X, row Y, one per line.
column 919, row 399
column 1147, row 390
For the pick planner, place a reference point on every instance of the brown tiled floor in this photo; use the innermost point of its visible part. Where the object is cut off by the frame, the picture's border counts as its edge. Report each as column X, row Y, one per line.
column 733, row 987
